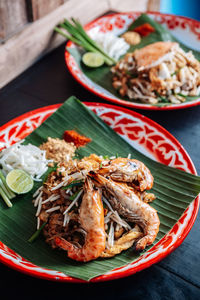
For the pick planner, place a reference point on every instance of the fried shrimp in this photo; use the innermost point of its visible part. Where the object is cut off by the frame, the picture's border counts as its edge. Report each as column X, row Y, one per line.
column 133, row 209
column 90, row 163
column 130, row 171
column 91, row 219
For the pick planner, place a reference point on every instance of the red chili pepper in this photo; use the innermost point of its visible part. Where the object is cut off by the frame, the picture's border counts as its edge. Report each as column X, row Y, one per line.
column 76, row 138
column 144, row 29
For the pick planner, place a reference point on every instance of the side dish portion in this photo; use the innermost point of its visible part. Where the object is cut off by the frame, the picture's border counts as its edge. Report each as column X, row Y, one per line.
column 159, row 70
column 139, row 62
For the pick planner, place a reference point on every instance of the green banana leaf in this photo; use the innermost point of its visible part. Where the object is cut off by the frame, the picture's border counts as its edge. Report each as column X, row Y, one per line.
column 102, row 75
column 174, row 189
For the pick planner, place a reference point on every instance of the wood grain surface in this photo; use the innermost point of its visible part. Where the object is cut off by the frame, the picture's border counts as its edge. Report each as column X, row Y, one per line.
column 25, row 48
column 13, row 17
column 40, row 8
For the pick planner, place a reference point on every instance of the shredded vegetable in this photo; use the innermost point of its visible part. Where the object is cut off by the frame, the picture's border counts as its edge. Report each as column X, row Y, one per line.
column 26, row 157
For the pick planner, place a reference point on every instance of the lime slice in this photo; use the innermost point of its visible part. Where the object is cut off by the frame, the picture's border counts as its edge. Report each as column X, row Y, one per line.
column 19, row 181
column 93, row 59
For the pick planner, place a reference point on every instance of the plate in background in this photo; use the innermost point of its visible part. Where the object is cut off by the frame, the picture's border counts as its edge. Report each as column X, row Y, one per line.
column 186, row 30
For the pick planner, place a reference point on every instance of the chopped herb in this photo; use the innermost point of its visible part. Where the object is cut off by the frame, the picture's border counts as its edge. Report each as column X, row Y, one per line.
column 179, row 94
column 36, row 234
column 176, row 72
column 128, row 73
column 161, row 98
column 72, row 197
column 49, row 171
column 73, row 183
column 100, row 165
column 76, row 156
column 106, row 157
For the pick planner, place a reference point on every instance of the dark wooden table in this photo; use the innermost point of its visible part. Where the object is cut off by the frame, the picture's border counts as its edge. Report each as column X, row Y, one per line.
column 177, row 276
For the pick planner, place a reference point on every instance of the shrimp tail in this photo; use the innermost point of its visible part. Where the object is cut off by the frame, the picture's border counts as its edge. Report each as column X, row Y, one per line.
column 62, row 243
column 142, row 243
column 73, row 252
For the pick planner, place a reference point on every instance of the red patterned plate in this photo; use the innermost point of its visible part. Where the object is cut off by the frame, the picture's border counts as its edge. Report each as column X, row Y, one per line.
column 185, row 29
column 145, row 135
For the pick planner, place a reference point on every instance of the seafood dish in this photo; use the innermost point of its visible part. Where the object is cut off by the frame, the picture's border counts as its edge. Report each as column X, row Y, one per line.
column 90, row 207
column 87, row 207
column 139, row 62
column 97, row 206
column 159, row 70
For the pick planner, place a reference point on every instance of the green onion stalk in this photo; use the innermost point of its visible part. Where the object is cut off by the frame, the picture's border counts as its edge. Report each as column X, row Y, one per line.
column 79, row 36
column 4, row 195
column 5, row 192
column 36, row 233
column 73, row 183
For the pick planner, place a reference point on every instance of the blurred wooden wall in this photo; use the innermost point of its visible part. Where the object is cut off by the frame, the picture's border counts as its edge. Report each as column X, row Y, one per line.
column 26, row 27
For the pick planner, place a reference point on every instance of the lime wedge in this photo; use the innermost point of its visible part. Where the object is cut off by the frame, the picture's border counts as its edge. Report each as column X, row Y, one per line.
column 93, row 59
column 19, row 181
